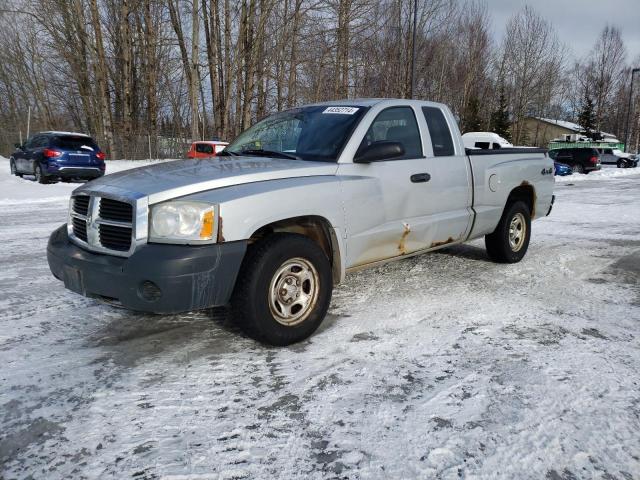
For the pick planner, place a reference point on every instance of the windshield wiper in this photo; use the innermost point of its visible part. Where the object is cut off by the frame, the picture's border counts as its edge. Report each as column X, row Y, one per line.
column 269, row 153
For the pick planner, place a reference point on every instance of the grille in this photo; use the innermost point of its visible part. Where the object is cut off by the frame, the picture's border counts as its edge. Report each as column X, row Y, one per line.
column 81, row 204
column 109, row 229
column 114, row 210
column 80, row 228
column 115, row 238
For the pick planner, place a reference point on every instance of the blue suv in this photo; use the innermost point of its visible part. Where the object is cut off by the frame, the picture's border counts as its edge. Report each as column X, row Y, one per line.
column 52, row 156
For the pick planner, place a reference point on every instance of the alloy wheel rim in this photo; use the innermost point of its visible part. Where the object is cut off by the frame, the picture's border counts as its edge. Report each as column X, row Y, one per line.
column 38, row 173
column 517, row 232
column 13, row 168
column 293, row 291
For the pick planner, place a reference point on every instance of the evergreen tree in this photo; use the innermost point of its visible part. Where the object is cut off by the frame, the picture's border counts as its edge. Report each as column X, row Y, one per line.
column 471, row 121
column 500, row 118
column 587, row 116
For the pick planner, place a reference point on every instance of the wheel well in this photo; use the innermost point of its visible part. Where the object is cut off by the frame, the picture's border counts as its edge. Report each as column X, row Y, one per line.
column 316, row 228
column 525, row 193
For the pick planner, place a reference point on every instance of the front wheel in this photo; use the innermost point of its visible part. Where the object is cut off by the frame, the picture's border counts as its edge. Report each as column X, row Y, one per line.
column 14, row 170
column 510, row 240
column 577, row 168
column 283, row 289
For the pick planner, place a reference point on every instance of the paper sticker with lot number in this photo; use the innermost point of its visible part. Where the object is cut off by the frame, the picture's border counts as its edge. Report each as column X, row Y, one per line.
column 342, row 110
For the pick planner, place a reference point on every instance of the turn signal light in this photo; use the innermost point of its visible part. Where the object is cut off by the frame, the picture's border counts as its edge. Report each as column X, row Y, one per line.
column 207, row 225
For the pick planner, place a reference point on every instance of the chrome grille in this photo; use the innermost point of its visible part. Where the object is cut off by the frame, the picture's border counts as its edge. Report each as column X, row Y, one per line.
column 115, row 238
column 80, row 228
column 81, row 204
column 102, row 224
column 115, row 210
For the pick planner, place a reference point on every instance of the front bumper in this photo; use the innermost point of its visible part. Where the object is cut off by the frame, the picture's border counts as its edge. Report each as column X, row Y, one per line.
column 156, row 278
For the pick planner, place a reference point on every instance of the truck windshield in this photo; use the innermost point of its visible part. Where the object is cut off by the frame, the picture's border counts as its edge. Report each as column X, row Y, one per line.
column 315, row 133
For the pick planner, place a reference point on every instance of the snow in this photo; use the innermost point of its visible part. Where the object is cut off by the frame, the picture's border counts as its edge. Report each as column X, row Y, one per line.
column 607, row 172
column 440, row 366
column 563, row 123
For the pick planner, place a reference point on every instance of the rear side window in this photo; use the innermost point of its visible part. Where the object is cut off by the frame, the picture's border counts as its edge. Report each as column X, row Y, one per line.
column 585, row 153
column 396, row 124
column 439, row 131
column 483, row 145
column 38, row 141
column 608, row 151
column 204, row 148
column 73, row 142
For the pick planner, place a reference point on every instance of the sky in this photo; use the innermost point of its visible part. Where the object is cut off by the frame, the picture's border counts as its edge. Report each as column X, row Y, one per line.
column 578, row 22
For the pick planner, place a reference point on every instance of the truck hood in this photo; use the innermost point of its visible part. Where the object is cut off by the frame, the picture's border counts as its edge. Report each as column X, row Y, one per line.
column 164, row 181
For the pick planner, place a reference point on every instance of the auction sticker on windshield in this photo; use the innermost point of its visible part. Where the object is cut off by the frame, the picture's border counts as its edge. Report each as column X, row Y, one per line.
column 342, row 110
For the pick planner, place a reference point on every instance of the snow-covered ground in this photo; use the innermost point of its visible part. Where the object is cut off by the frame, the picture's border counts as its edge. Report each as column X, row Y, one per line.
column 440, row 366
column 607, row 172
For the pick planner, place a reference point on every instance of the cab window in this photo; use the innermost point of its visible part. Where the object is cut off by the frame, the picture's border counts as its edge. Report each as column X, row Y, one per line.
column 439, row 131
column 396, row 124
column 483, row 145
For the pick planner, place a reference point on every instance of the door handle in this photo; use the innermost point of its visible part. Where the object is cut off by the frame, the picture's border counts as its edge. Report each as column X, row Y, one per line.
column 420, row 177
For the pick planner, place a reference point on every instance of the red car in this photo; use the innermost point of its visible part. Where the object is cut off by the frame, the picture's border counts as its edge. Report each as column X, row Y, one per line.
column 206, row 149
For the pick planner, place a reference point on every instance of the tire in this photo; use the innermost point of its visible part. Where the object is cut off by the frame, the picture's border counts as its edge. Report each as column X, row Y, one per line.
column 619, row 164
column 504, row 245
column 40, row 177
column 577, row 168
column 14, row 170
column 267, row 282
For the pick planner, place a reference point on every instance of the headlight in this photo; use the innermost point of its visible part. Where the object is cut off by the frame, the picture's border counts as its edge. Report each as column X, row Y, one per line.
column 182, row 222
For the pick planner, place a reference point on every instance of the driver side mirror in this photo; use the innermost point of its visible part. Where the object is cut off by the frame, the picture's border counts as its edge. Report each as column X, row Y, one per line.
column 18, row 146
column 379, row 151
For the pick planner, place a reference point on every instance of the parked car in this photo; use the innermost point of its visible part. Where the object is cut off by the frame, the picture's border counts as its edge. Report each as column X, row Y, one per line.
column 52, row 156
column 615, row 156
column 206, row 149
column 307, row 195
column 485, row 140
column 561, row 169
column 581, row 160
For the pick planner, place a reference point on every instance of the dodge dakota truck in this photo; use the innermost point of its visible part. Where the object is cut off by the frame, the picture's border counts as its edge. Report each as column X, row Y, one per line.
column 291, row 206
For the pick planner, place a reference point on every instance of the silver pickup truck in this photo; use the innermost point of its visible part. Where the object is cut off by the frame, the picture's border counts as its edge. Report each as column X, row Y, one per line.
column 294, row 203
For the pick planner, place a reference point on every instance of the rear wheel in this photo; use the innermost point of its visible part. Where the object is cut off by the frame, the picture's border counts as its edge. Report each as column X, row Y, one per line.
column 510, row 240
column 40, row 177
column 283, row 289
column 577, row 168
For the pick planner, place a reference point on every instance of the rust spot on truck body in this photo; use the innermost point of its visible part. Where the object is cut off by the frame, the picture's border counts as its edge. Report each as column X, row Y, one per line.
column 402, row 247
column 439, row 244
column 220, row 235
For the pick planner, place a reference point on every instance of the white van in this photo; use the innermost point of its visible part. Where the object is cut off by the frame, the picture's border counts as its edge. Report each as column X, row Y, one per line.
column 485, row 141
